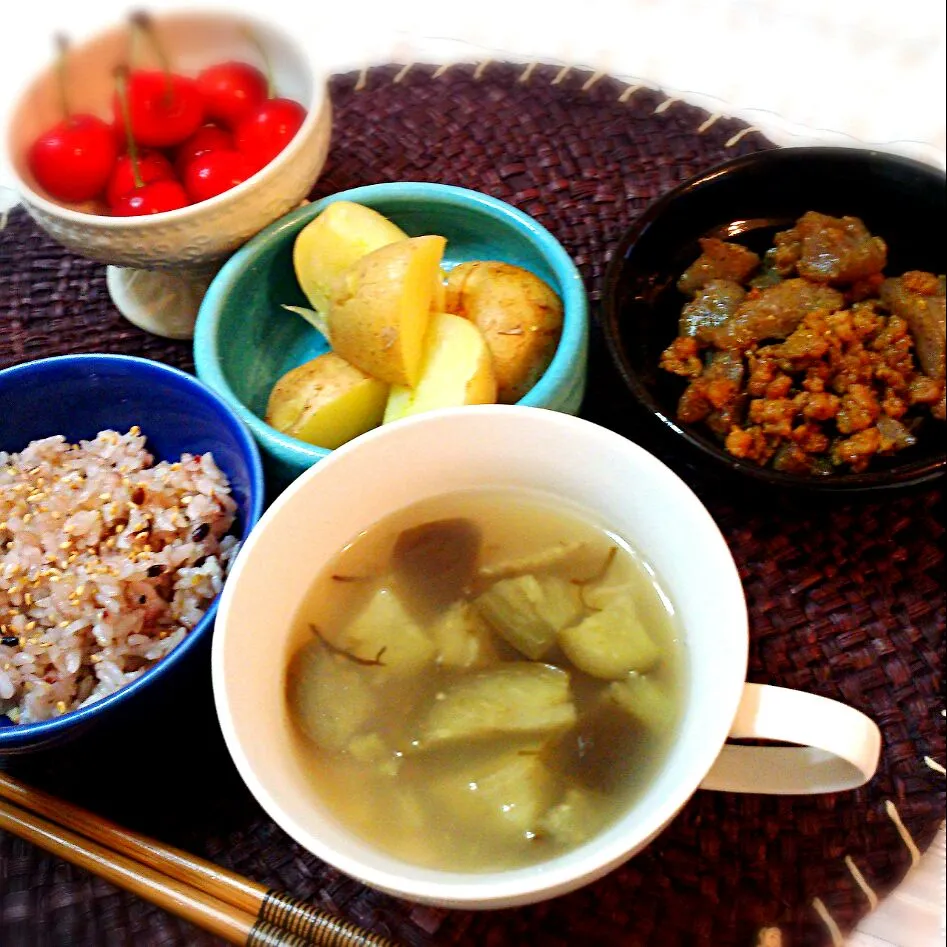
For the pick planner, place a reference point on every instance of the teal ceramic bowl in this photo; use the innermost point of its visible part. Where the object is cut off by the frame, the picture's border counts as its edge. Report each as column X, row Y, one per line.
column 244, row 340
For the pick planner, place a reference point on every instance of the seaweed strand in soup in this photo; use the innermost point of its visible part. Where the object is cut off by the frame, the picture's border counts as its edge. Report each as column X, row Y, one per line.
column 505, row 711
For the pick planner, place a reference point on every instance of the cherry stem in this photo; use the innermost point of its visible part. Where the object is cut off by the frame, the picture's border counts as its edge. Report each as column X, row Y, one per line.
column 62, row 46
column 121, row 87
column 267, row 66
column 142, row 24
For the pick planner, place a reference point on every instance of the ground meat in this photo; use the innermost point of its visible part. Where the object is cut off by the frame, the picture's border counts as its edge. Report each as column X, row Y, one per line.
column 694, row 405
column 856, row 451
column 811, row 439
column 774, row 415
column 790, row 371
column 924, row 390
column 716, row 396
column 820, row 406
column 859, row 409
column 750, row 444
column 681, row 357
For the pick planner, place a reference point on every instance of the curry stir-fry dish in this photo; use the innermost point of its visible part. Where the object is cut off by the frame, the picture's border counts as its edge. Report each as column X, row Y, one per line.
column 809, row 360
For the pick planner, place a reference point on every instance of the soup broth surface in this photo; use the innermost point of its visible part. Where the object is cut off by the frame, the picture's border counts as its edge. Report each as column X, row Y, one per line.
column 484, row 680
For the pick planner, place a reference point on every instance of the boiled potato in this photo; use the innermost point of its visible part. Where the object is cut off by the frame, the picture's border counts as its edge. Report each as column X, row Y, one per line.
column 439, row 297
column 457, row 369
column 326, row 402
column 330, row 243
column 519, row 315
column 380, row 308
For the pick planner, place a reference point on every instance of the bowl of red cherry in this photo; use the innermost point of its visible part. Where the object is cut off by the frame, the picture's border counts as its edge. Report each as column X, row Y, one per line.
column 162, row 145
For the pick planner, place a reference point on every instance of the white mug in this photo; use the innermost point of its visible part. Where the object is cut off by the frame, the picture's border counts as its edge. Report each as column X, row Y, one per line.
column 641, row 500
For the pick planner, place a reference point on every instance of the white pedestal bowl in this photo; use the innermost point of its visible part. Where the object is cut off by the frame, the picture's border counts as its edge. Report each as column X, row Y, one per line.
column 160, row 265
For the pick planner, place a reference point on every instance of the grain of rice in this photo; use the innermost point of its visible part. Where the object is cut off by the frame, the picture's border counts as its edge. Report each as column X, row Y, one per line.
column 101, row 575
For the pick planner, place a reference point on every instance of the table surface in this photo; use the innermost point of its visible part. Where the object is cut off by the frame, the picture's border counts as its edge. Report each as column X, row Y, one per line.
column 871, row 80
column 913, row 915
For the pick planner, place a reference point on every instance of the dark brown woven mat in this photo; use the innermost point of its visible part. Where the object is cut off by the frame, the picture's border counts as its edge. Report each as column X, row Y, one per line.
column 845, row 601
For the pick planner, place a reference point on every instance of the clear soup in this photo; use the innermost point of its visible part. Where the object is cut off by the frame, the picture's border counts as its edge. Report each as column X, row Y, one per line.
column 484, row 680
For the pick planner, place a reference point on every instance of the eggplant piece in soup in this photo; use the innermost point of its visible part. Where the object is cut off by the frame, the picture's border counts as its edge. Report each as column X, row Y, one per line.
column 517, row 698
column 433, row 562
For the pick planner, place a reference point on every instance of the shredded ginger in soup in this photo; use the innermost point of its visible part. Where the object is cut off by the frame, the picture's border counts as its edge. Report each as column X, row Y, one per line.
column 484, row 680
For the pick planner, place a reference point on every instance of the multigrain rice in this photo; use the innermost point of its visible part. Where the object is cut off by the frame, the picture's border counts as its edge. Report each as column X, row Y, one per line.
column 107, row 561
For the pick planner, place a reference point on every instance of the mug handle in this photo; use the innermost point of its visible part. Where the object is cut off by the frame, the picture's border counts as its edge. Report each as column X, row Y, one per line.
column 837, row 748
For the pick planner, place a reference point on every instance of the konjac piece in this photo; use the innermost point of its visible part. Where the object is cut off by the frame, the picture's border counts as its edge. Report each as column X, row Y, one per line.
column 919, row 299
column 774, row 312
column 837, row 249
column 719, row 260
column 713, row 304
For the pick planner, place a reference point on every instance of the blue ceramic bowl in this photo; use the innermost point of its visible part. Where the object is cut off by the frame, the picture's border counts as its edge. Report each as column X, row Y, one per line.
column 244, row 341
column 78, row 396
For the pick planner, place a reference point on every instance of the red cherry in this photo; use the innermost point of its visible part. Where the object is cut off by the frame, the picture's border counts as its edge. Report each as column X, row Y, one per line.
column 73, row 159
column 151, row 197
column 154, row 198
column 206, row 138
column 231, row 90
column 214, row 172
column 152, row 166
column 165, row 108
column 268, row 129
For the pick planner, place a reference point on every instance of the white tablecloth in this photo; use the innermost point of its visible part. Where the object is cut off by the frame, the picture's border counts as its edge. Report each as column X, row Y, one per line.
column 858, row 72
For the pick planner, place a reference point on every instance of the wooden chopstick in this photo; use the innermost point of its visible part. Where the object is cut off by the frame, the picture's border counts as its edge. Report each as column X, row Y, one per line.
column 213, row 915
column 214, row 898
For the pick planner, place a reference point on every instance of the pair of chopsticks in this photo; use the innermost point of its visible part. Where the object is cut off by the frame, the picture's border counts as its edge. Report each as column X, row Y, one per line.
column 220, row 901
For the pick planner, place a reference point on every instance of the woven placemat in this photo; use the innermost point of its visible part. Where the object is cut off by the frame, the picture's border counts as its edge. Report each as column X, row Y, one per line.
column 845, row 601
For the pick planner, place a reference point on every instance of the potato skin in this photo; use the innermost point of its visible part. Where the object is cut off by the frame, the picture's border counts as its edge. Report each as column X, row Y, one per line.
column 381, row 307
column 519, row 315
column 333, row 241
column 326, row 401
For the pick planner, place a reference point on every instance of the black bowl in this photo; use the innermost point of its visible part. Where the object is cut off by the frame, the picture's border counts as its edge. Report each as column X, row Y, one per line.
column 753, row 197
